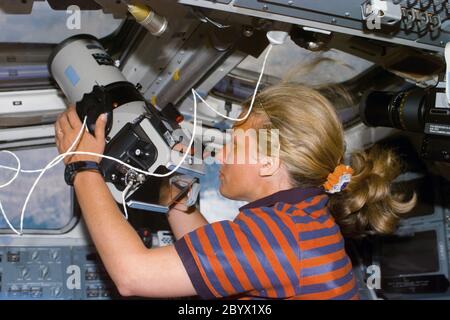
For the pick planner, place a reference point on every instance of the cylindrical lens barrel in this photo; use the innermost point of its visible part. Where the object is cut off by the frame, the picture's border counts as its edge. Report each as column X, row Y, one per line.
column 403, row 110
column 80, row 63
column 375, row 110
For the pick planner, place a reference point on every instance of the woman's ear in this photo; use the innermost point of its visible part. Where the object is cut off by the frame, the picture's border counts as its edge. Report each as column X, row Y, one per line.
column 269, row 166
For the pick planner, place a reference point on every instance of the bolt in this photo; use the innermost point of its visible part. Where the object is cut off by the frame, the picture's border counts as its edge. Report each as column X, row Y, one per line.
column 265, row 7
column 248, row 32
column 446, row 155
column 137, row 152
column 313, row 46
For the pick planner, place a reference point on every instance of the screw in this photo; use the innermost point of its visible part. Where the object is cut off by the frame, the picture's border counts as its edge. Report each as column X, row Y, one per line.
column 248, row 31
column 137, row 152
column 446, row 155
column 265, row 7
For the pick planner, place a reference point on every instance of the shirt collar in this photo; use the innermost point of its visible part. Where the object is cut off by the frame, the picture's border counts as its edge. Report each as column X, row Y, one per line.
column 291, row 196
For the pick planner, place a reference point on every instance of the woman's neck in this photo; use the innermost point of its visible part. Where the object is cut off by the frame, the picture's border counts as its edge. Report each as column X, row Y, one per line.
column 269, row 186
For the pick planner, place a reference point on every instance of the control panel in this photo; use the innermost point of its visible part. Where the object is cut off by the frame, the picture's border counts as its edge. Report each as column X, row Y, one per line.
column 417, row 23
column 61, row 273
column 53, row 273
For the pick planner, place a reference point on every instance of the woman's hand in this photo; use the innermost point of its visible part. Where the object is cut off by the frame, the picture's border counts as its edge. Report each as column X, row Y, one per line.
column 167, row 192
column 67, row 128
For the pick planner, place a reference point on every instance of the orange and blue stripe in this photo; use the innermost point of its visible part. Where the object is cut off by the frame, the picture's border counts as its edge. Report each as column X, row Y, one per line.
column 285, row 246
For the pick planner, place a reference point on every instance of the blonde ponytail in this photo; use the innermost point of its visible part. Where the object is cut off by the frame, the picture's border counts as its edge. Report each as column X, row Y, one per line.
column 367, row 205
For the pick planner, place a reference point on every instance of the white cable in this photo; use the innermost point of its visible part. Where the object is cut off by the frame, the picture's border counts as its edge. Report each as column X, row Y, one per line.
column 51, row 164
column 124, row 195
column 7, row 220
column 254, row 94
column 17, row 169
column 22, row 170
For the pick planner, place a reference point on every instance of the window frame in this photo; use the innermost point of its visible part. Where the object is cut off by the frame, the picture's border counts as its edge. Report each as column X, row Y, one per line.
column 74, row 205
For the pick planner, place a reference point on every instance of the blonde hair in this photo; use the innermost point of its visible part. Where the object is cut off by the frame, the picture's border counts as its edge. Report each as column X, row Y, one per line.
column 312, row 145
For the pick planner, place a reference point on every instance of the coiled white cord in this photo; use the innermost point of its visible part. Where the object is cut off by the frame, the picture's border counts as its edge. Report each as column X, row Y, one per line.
column 69, row 152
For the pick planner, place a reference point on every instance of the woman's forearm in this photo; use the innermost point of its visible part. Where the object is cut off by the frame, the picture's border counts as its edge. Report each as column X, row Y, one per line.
column 116, row 241
column 182, row 222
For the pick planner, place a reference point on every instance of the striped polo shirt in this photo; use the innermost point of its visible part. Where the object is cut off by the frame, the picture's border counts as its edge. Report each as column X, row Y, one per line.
column 284, row 246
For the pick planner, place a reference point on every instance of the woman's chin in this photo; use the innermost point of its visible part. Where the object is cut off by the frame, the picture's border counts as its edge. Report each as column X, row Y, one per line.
column 223, row 191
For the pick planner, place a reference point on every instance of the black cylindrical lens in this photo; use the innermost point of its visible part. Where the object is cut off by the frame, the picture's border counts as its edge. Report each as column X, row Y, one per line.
column 403, row 110
column 375, row 109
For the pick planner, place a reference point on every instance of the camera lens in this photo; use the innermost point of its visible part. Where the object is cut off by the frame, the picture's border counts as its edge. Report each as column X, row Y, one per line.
column 403, row 110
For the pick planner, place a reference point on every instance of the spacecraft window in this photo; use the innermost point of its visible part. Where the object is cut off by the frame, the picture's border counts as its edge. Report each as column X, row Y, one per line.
column 50, row 206
column 45, row 25
column 291, row 62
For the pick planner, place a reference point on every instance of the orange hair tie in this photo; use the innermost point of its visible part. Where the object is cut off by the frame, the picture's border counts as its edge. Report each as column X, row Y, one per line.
column 338, row 179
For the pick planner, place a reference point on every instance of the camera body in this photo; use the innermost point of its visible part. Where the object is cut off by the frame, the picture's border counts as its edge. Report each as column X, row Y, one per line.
column 436, row 142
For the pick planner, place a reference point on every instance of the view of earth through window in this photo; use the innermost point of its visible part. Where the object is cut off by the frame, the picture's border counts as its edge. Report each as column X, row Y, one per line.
column 50, row 206
column 291, row 62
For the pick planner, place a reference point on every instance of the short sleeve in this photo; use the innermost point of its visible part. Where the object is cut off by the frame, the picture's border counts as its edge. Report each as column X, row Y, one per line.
column 223, row 259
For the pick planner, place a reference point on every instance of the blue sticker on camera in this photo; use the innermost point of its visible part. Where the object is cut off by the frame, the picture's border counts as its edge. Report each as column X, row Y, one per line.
column 72, row 75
